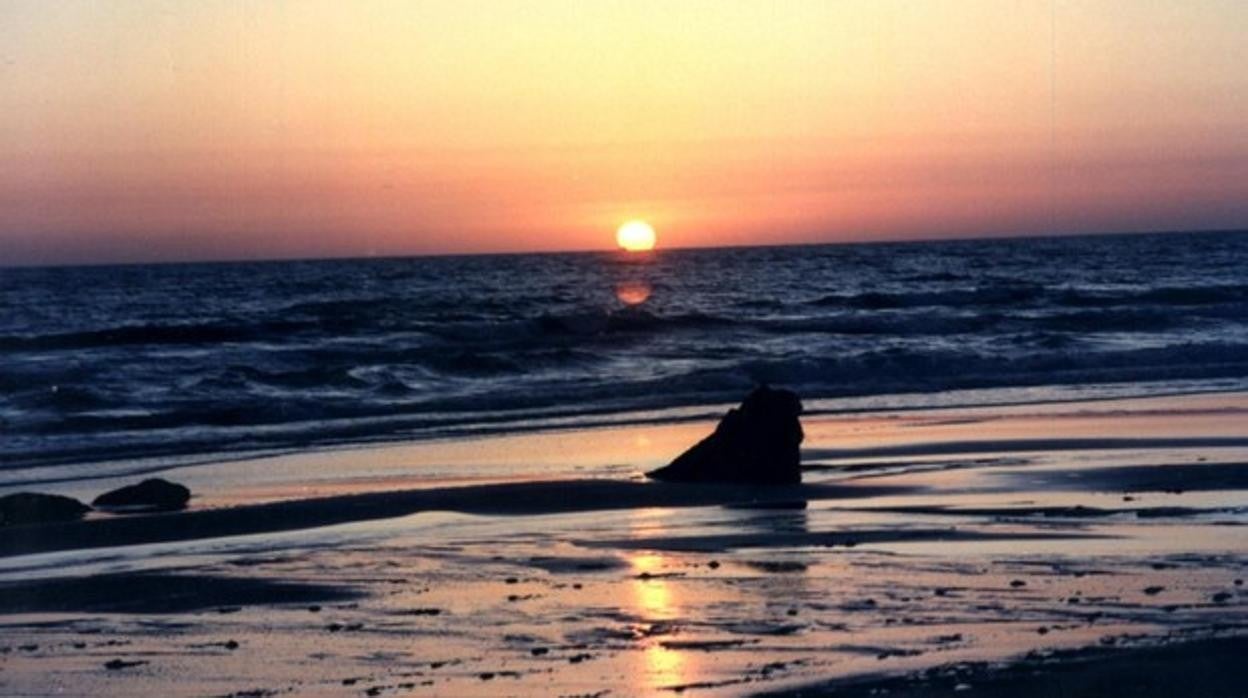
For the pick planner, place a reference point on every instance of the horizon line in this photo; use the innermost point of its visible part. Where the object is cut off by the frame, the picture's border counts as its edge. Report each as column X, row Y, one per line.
column 997, row 237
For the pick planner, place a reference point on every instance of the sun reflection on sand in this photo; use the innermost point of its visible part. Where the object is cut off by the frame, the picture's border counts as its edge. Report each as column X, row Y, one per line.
column 654, row 599
column 656, row 602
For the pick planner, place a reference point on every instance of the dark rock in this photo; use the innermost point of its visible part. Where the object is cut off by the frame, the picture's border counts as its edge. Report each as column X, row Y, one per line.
column 423, row 612
column 32, row 508
column 150, row 495
column 115, row 664
column 756, row 443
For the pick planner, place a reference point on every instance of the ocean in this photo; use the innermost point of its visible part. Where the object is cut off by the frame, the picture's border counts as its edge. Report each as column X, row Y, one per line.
column 100, row 363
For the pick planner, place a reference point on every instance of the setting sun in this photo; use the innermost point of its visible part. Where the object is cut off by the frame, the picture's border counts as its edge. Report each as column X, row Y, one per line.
column 635, row 236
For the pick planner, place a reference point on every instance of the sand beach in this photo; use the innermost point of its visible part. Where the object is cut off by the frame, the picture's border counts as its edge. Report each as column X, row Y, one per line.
column 926, row 551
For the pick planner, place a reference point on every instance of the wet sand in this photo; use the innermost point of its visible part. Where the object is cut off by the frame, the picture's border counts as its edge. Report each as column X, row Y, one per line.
column 1033, row 550
column 1205, row 668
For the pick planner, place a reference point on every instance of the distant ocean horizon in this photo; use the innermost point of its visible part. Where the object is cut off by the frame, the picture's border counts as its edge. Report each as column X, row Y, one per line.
column 103, row 362
column 396, row 256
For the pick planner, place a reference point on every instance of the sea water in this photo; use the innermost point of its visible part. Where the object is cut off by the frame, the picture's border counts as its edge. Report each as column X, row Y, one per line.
column 126, row 361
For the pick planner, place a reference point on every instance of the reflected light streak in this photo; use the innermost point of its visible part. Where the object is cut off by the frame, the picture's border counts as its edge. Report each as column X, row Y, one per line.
column 633, row 292
column 654, row 599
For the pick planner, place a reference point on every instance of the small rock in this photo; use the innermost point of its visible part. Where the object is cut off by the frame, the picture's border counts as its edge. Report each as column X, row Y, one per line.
column 116, row 664
column 713, row 564
column 423, row 612
column 539, row 651
column 154, row 494
column 1016, row 583
column 1222, row 597
column 23, row 508
column 1153, row 591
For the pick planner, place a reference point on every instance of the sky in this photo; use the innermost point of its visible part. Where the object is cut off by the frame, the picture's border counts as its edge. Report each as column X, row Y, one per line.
column 138, row 130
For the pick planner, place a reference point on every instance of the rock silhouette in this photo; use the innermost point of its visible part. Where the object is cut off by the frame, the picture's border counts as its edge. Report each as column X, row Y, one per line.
column 756, row 443
column 150, row 495
column 31, row 507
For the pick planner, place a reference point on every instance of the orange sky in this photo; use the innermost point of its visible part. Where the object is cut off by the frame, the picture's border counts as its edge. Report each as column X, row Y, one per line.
column 135, row 131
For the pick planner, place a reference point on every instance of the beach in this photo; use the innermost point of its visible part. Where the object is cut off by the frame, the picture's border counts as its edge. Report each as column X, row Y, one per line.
column 928, row 549
column 613, row 349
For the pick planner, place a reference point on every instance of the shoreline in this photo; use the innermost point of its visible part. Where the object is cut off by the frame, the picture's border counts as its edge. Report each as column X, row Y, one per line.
column 994, row 546
column 208, row 451
column 824, row 454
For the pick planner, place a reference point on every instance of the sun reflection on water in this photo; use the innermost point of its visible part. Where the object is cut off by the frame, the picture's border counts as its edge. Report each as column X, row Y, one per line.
column 656, row 602
column 633, row 292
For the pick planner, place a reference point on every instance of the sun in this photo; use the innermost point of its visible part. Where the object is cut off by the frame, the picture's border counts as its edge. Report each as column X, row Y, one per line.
column 635, row 236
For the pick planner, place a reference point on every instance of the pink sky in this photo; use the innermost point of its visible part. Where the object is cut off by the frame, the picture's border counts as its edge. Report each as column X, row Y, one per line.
column 166, row 130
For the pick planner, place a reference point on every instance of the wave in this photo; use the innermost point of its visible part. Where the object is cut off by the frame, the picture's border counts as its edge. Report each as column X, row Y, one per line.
column 1020, row 295
column 153, row 334
column 1131, row 320
column 873, row 372
column 956, row 298
column 1163, row 296
column 370, row 317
